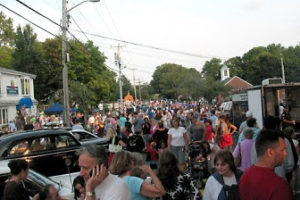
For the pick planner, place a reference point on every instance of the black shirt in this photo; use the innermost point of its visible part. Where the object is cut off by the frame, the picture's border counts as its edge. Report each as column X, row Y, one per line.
column 15, row 191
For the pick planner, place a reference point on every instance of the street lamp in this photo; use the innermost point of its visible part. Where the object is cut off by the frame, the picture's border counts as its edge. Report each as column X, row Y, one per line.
column 64, row 57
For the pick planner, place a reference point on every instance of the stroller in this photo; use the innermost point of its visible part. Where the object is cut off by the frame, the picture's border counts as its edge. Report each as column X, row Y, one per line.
column 198, row 162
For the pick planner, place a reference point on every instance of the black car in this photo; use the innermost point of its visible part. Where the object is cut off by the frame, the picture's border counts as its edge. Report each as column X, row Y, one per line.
column 50, row 152
column 87, row 138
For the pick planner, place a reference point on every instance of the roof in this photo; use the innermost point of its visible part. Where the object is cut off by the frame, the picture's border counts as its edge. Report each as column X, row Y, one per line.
column 237, row 83
column 14, row 72
column 25, row 134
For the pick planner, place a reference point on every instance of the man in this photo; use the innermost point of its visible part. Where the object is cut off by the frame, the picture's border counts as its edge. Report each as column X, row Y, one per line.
column 100, row 184
column 244, row 123
column 260, row 182
column 77, row 125
column 197, row 129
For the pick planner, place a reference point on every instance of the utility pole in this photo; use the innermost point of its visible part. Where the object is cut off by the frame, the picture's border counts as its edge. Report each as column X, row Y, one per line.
column 65, row 24
column 140, row 90
column 282, row 68
column 65, row 67
column 118, row 64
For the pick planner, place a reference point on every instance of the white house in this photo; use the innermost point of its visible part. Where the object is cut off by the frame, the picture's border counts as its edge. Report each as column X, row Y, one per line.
column 16, row 91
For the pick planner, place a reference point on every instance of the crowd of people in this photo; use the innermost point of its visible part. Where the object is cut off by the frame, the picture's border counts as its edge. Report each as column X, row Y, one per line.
column 149, row 152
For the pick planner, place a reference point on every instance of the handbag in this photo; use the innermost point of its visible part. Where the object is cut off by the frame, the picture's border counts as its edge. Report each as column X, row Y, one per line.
column 114, row 148
column 238, row 159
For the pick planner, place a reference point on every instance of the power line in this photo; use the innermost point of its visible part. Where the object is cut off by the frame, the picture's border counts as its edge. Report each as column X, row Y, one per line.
column 79, row 28
column 149, row 46
column 29, row 21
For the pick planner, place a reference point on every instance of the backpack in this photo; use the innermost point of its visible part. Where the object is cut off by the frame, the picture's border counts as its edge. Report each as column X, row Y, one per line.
column 228, row 192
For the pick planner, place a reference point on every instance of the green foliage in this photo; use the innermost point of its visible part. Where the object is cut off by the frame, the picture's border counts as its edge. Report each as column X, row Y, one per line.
column 5, row 55
column 212, row 68
column 6, row 30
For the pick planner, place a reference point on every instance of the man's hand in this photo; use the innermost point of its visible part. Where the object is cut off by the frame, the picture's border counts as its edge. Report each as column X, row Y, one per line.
column 98, row 175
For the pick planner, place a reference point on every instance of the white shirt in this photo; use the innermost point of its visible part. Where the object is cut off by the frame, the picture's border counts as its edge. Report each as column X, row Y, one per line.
column 112, row 188
column 177, row 136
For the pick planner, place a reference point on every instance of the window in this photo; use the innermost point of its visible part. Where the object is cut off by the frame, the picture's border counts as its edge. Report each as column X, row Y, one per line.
column 3, row 116
column 225, row 73
column 25, row 86
column 21, row 148
column 82, row 136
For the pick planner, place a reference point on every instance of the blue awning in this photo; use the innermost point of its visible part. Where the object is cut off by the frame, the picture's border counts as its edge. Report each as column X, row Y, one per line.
column 54, row 109
column 26, row 101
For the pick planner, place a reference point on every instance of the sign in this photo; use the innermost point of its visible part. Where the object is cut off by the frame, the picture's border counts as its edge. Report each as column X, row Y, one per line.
column 12, row 89
column 240, row 97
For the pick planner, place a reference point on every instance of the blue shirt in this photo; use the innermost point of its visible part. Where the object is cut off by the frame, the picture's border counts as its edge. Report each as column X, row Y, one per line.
column 122, row 121
column 134, row 184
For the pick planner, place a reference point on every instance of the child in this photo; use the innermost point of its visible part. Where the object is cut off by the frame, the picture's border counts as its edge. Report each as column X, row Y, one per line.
column 152, row 154
column 79, row 188
column 209, row 132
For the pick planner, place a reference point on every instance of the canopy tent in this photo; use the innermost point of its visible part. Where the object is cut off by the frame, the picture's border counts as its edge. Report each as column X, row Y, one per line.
column 54, row 109
column 26, row 101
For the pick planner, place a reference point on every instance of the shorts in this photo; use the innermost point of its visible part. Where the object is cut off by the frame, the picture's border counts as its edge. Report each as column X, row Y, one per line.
column 179, row 153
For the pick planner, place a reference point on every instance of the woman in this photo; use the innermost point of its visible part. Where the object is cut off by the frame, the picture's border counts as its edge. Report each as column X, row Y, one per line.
column 14, row 189
column 178, row 185
column 228, row 130
column 177, row 141
column 223, row 184
column 244, row 149
column 160, row 134
column 122, row 164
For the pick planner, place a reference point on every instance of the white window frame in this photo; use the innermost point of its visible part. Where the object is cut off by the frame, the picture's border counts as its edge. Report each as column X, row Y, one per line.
column 3, row 116
column 25, row 86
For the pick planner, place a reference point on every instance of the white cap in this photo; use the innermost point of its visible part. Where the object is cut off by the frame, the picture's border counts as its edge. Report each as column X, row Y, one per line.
column 249, row 114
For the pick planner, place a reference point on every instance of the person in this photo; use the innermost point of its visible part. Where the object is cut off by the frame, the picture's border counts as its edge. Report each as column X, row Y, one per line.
column 161, row 134
column 244, row 149
column 213, row 119
column 79, row 188
column 209, row 135
column 197, row 129
column 77, row 125
column 289, row 134
column 178, row 185
column 29, row 125
column 49, row 192
column 273, row 123
column 121, row 165
column 286, row 119
column 260, row 182
column 100, row 184
column 177, row 141
column 251, row 123
column 244, row 123
column 223, row 184
column 14, row 189
column 228, row 130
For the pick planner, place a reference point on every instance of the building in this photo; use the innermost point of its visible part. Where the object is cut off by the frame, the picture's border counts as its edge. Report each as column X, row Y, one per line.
column 236, row 83
column 16, row 92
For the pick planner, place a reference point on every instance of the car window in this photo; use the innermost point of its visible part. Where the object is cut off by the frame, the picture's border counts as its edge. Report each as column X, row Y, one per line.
column 82, row 136
column 20, row 148
column 65, row 141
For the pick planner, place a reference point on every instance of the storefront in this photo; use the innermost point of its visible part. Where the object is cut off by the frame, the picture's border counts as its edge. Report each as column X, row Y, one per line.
column 16, row 92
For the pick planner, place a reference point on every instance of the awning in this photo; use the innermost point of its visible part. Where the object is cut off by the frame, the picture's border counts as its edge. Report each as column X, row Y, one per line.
column 26, row 101
column 54, row 109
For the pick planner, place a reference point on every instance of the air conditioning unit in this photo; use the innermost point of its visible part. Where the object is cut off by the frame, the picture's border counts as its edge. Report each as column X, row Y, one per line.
column 270, row 81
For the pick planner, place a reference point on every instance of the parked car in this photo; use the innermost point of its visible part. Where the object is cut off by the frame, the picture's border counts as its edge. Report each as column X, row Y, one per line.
column 49, row 152
column 34, row 182
column 87, row 138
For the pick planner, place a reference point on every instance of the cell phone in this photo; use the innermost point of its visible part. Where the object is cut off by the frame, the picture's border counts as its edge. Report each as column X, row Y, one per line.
column 91, row 172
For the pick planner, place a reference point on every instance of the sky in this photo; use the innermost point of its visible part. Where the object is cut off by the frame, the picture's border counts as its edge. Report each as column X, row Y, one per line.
column 203, row 28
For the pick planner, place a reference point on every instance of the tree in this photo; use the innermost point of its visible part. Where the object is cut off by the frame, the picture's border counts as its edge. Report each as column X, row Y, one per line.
column 28, row 57
column 167, row 78
column 6, row 31
column 212, row 68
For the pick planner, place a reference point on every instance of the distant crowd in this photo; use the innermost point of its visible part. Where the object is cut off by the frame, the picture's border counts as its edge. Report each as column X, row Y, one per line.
column 151, row 155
